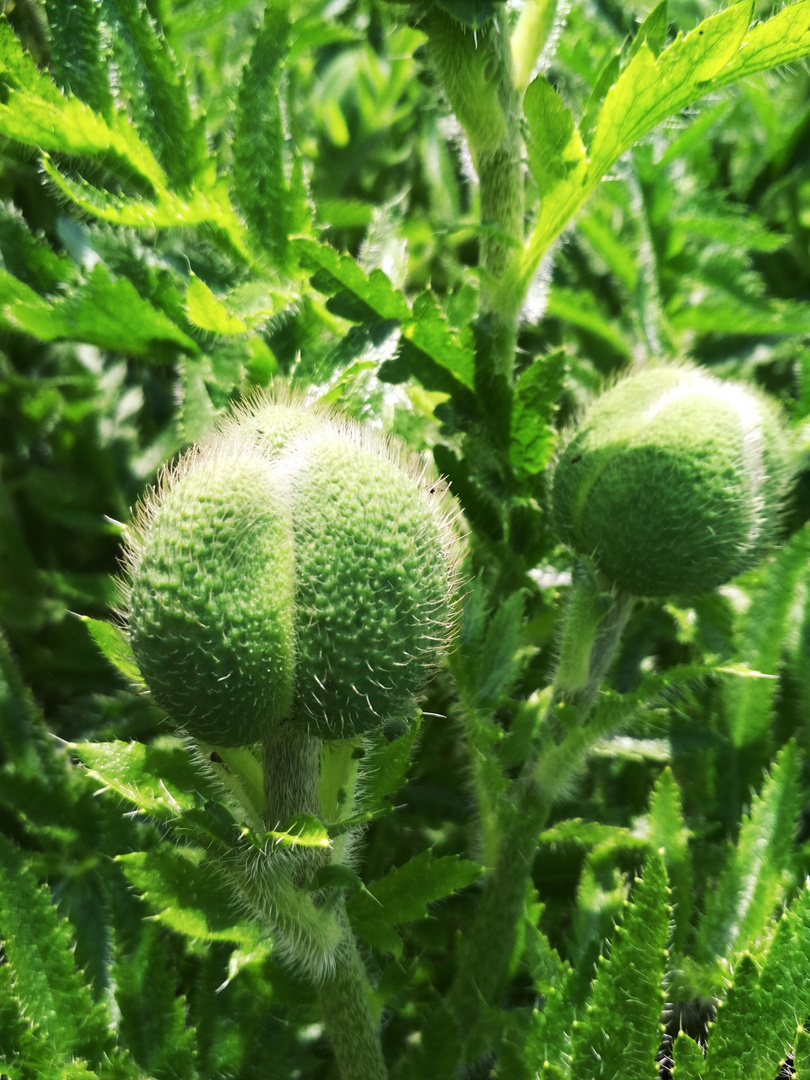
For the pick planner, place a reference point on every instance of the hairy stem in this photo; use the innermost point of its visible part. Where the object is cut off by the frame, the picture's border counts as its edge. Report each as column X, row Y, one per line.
column 290, row 762
column 292, row 780
column 484, row 970
column 347, row 1013
column 475, row 70
column 593, row 626
column 591, row 634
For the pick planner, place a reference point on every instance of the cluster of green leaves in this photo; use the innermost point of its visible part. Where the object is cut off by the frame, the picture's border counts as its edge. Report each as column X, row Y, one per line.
column 197, row 196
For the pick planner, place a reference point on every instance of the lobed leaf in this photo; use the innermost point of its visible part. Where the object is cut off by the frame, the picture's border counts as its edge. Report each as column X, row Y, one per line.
column 37, row 944
column 160, row 779
column 101, row 310
column 720, row 50
column 403, row 895
column 620, row 1032
column 759, row 870
column 260, row 185
column 371, row 297
column 188, row 894
column 532, row 436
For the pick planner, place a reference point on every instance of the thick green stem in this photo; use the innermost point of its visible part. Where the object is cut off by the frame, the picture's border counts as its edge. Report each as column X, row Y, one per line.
column 592, row 631
column 485, row 968
column 475, row 70
column 594, row 622
column 347, row 1013
column 291, row 760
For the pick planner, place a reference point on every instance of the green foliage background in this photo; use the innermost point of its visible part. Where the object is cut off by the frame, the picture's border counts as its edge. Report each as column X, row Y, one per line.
column 197, row 198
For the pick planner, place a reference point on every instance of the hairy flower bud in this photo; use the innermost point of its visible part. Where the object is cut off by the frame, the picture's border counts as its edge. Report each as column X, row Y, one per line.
column 673, row 481
column 295, row 569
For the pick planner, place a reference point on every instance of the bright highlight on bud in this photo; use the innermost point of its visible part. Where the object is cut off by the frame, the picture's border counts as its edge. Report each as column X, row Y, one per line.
column 673, row 482
column 295, row 569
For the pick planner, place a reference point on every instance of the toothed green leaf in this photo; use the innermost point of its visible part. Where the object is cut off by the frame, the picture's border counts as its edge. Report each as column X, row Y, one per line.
column 620, row 1031
column 372, row 297
column 38, row 945
column 403, row 895
column 720, row 50
column 188, row 894
column 258, row 148
column 587, row 834
column 153, row 1015
column 759, row 869
column 160, row 779
column 385, row 767
column 763, row 628
column 667, row 832
column 688, row 1058
column 499, row 660
column 101, row 310
column 208, row 205
column 532, row 437
column 38, row 115
column 554, row 144
column 155, row 88
column 756, row 1048
column 78, row 61
column 615, row 709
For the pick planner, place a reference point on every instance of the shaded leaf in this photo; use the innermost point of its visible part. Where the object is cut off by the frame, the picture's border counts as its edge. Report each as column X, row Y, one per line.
column 385, row 767
column 153, row 1016
column 403, row 895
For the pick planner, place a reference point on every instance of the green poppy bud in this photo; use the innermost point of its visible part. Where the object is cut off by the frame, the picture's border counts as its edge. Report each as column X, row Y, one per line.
column 295, row 569
column 673, row 482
